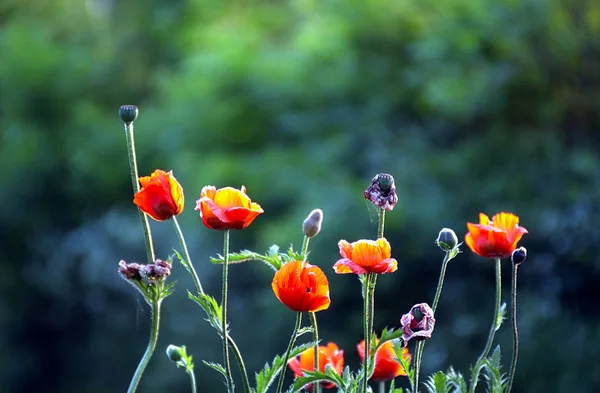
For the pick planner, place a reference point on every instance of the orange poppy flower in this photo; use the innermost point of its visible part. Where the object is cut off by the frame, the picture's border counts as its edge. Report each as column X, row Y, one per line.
column 497, row 238
column 365, row 256
column 329, row 355
column 302, row 287
column 161, row 196
column 386, row 365
column 226, row 208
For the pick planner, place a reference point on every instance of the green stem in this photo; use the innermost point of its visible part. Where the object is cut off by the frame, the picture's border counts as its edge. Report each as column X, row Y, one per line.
column 513, row 362
column 436, row 299
column 381, row 225
column 305, row 247
column 367, row 331
column 381, row 387
column 192, row 380
column 240, row 361
column 133, row 171
column 288, row 351
column 313, row 322
column 224, row 313
column 493, row 328
column 155, row 306
column 186, row 255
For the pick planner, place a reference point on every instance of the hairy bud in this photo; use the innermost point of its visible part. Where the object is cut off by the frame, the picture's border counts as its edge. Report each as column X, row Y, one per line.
column 312, row 225
column 447, row 239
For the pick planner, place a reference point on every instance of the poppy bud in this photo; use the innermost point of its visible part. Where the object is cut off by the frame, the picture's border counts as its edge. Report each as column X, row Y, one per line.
column 175, row 353
column 128, row 113
column 418, row 324
column 157, row 270
column 130, row 271
column 382, row 192
column 519, row 255
column 312, row 225
column 447, row 239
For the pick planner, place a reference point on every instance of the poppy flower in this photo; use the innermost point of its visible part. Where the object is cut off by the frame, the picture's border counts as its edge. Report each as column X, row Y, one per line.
column 497, row 238
column 226, row 208
column 387, row 366
column 365, row 256
column 418, row 323
column 161, row 196
column 329, row 355
column 302, row 287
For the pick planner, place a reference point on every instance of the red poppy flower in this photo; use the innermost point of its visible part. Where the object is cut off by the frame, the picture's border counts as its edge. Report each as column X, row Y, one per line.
column 302, row 287
column 497, row 238
column 226, row 208
column 365, row 256
column 386, row 365
column 161, row 196
column 329, row 355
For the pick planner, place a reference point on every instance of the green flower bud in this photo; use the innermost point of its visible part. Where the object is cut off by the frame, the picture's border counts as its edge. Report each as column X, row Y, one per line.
column 128, row 113
column 175, row 353
column 447, row 239
column 312, row 225
column 519, row 255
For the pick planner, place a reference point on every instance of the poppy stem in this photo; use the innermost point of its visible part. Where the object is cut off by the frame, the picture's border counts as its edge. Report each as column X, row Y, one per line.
column 192, row 379
column 137, row 376
column 313, row 322
column 225, row 334
column 133, row 171
column 513, row 362
column 369, row 280
column 381, row 387
column 304, row 251
column 493, row 328
column 381, row 225
column 288, row 351
column 240, row 361
column 188, row 261
column 418, row 356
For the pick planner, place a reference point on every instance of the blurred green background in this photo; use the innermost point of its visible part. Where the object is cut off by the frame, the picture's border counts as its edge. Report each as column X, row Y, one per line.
column 473, row 105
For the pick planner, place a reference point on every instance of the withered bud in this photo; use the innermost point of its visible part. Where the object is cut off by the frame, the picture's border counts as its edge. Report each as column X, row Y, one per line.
column 382, row 192
column 130, row 271
column 519, row 256
column 156, row 271
column 447, row 239
column 128, row 113
column 175, row 353
column 418, row 324
column 312, row 225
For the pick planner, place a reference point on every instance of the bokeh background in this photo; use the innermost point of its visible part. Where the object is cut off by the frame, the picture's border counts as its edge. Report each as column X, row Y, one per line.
column 473, row 105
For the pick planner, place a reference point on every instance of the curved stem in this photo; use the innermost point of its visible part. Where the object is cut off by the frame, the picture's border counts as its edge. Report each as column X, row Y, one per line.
column 313, row 322
column 133, row 171
column 381, row 225
column 288, row 351
column 192, row 380
column 224, row 313
column 155, row 306
column 240, row 361
column 513, row 362
column 493, row 328
column 186, row 255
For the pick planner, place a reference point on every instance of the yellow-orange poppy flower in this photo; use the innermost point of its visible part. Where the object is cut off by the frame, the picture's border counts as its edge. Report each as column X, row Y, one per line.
column 365, row 256
column 226, row 208
column 302, row 287
column 497, row 238
column 329, row 355
column 386, row 365
column 161, row 196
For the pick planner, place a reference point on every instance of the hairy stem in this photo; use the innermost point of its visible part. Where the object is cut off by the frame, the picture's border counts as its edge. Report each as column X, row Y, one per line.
column 186, row 255
column 288, row 351
column 381, row 226
column 224, row 313
column 515, row 354
column 155, row 307
column 192, row 380
column 313, row 322
column 133, row 171
column 304, row 251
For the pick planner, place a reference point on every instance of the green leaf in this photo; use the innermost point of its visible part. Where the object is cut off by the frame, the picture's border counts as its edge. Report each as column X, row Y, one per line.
column 217, row 367
column 212, row 309
column 455, row 251
column 316, row 376
column 437, row 383
column 494, row 378
column 183, row 261
column 266, row 376
column 246, row 255
column 501, row 314
column 456, row 381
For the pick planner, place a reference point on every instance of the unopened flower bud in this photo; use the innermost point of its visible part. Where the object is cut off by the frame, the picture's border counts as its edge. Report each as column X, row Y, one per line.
column 519, row 255
column 157, row 270
column 312, row 225
column 130, row 271
column 447, row 239
column 382, row 192
column 128, row 113
column 175, row 353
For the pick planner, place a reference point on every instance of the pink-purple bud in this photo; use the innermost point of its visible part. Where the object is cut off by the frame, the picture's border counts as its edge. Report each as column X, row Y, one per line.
column 382, row 192
column 418, row 324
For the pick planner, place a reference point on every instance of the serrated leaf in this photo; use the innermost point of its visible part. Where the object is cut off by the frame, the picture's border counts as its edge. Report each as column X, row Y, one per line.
column 493, row 376
column 312, row 377
column 437, row 383
column 246, row 256
column 216, row 367
column 501, row 314
column 456, row 381
column 304, row 330
column 266, row 376
column 212, row 309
